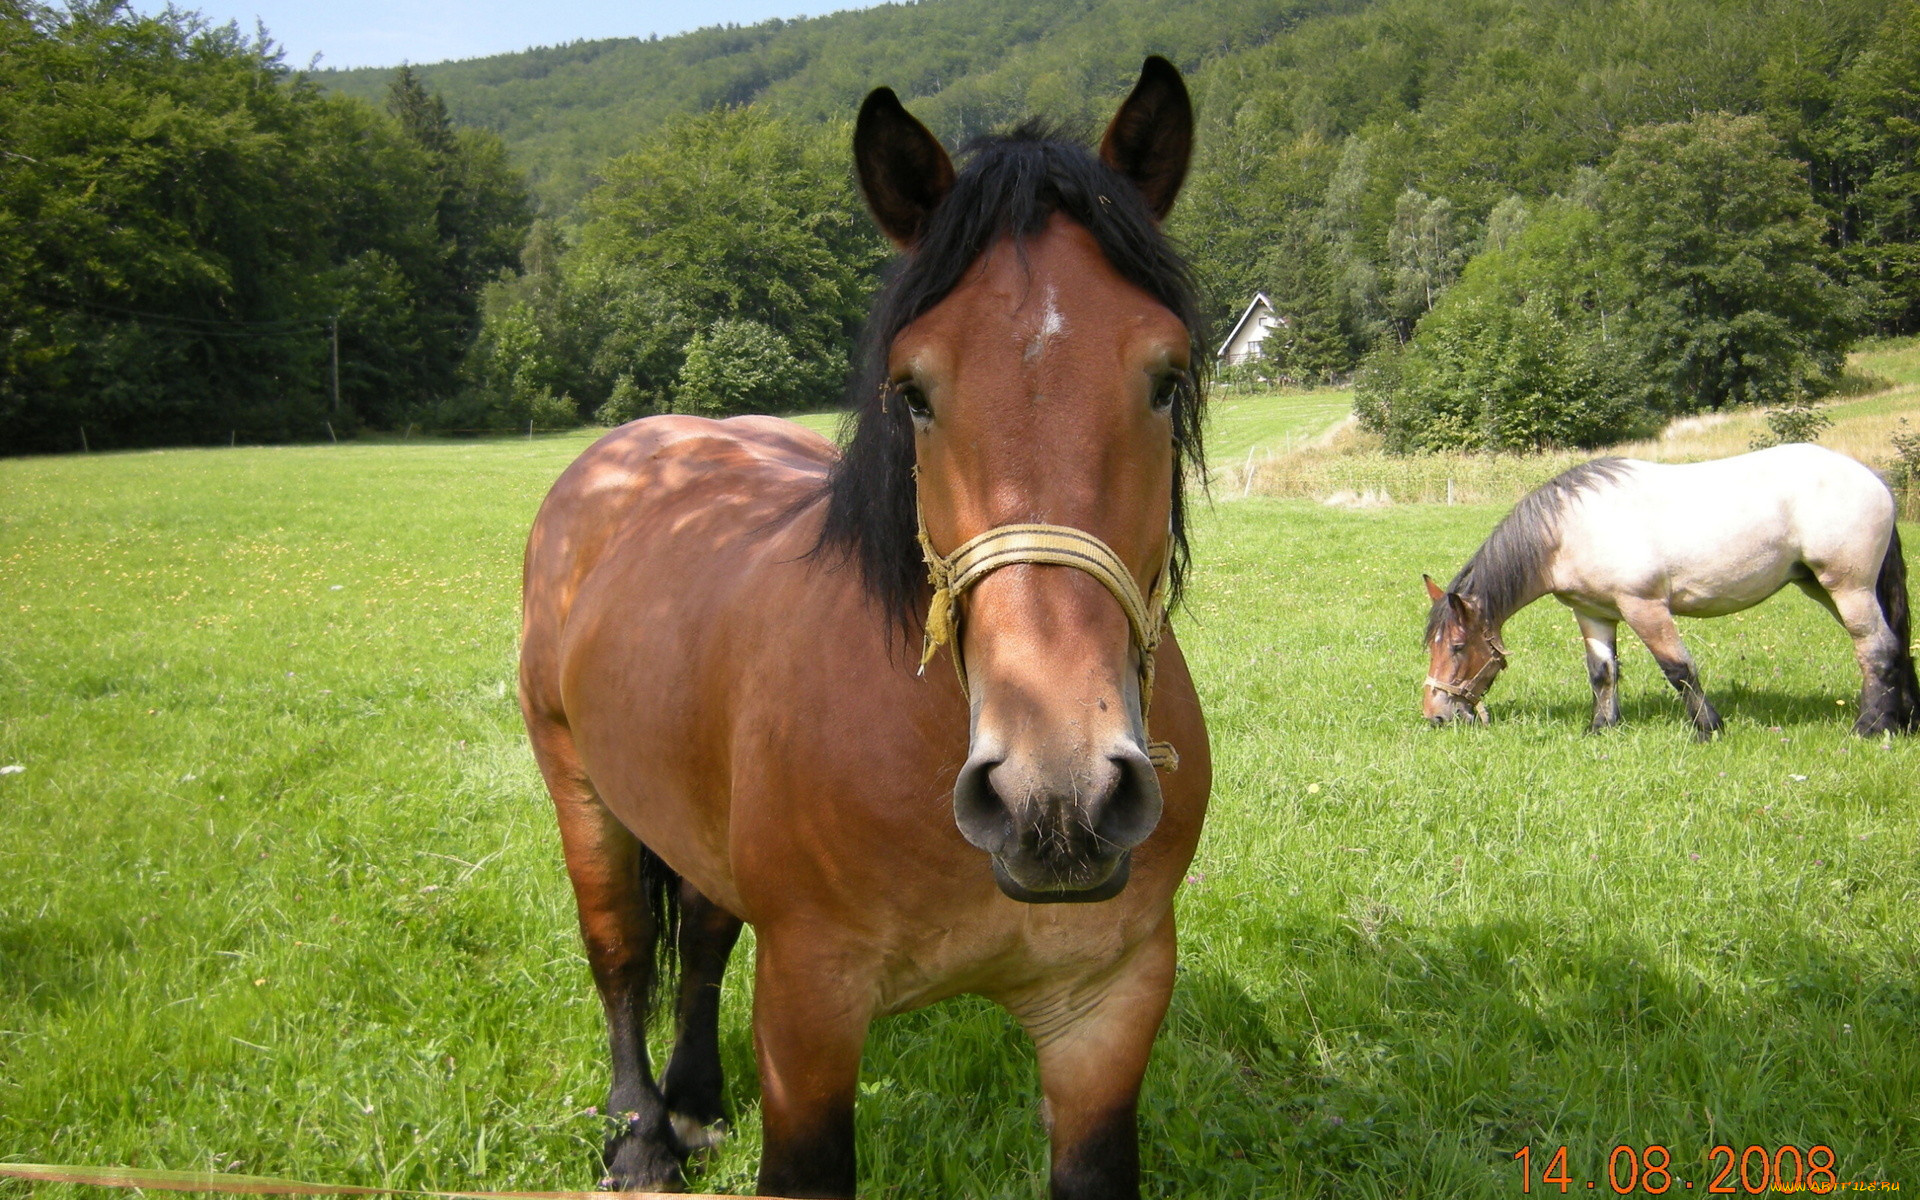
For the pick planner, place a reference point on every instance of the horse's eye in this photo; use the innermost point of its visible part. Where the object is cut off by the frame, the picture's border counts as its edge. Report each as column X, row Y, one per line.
column 915, row 400
column 1168, row 389
column 1459, row 647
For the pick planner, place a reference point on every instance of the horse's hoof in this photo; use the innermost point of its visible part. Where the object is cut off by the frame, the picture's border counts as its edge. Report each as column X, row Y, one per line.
column 637, row 1163
column 697, row 1135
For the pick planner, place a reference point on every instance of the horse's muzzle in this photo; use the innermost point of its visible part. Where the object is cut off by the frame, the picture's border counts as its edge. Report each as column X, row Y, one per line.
column 1060, row 836
column 1453, row 711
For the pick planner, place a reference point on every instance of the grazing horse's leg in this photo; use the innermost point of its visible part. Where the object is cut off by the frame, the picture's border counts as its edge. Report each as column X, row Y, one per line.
column 1603, row 669
column 811, row 1008
column 692, row 1080
column 604, row 861
column 1093, row 1054
column 1653, row 622
column 1877, row 649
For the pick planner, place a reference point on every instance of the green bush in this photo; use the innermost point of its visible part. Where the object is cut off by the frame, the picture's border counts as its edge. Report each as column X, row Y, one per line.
column 625, row 403
column 737, row 365
column 1797, row 419
column 1488, row 376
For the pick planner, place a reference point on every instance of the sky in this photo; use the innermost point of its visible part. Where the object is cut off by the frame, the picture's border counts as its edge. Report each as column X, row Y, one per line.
column 385, row 33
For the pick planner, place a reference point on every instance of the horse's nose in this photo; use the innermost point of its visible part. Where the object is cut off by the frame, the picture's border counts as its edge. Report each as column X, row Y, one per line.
column 1059, row 829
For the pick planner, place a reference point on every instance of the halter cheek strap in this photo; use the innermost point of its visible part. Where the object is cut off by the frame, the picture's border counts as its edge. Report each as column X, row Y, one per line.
column 1055, row 546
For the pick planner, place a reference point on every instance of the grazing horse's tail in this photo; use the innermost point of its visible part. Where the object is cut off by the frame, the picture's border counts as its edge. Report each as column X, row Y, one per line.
column 1892, row 592
column 661, row 885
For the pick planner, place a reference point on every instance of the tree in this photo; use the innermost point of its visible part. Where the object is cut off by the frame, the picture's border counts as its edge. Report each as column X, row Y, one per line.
column 1691, row 274
column 182, row 221
column 1731, row 290
column 1516, row 356
column 1426, row 246
column 737, row 365
column 719, row 227
column 1873, row 152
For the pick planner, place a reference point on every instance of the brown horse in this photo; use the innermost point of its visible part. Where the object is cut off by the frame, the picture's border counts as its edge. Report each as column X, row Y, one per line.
column 723, row 622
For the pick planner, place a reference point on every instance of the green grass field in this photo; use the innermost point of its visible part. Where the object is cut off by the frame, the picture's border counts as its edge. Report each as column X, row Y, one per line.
column 280, row 892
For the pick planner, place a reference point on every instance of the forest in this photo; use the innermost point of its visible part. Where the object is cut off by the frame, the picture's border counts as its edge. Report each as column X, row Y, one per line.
column 199, row 246
column 1510, row 225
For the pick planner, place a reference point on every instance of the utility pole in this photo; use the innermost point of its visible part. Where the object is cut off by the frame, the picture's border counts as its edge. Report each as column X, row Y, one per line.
column 336, row 362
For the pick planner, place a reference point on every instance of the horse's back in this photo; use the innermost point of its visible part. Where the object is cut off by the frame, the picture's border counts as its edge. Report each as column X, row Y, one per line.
column 691, row 481
column 1815, row 499
column 1723, row 535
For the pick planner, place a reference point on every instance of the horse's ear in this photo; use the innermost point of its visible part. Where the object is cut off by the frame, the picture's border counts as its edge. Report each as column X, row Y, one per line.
column 1151, row 137
column 1435, row 592
column 904, row 171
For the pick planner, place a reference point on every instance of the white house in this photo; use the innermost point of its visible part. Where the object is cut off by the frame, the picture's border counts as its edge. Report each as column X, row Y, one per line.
column 1244, row 343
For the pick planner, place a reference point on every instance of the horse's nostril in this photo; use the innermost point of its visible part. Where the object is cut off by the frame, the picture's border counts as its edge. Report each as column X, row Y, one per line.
column 979, row 810
column 1132, row 809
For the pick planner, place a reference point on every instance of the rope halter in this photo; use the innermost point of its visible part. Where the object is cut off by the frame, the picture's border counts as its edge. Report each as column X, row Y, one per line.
column 1053, row 546
column 1474, row 690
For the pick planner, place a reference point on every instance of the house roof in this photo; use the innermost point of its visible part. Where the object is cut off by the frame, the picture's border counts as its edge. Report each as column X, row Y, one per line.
column 1259, row 301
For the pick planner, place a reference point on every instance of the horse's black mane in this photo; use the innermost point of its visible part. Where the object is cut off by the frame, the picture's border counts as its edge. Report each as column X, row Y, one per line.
column 1009, row 187
column 1508, row 565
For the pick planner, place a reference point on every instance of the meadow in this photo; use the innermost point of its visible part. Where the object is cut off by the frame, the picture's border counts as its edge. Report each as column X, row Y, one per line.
column 280, row 892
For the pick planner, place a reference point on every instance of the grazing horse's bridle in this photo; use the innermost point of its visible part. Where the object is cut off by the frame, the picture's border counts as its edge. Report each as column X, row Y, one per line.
column 1475, row 689
column 1055, row 546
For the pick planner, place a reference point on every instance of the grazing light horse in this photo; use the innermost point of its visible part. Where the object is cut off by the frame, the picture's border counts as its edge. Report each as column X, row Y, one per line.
column 724, row 621
column 1620, row 540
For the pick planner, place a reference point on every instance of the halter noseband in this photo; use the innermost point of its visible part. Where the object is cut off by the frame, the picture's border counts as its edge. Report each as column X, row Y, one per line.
column 1054, row 546
column 1475, row 689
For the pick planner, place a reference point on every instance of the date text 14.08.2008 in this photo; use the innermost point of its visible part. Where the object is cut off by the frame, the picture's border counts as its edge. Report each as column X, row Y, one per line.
column 1649, row 1170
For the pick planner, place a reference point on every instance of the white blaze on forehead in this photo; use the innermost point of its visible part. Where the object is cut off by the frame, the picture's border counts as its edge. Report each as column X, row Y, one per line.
column 1050, row 326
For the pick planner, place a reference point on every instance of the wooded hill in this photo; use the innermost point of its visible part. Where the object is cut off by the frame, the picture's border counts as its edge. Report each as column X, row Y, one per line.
column 1466, row 100
column 1649, row 206
column 966, row 66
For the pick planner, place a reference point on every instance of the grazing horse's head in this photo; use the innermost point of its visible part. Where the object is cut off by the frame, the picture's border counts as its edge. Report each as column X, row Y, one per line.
column 1033, row 363
column 1464, row 657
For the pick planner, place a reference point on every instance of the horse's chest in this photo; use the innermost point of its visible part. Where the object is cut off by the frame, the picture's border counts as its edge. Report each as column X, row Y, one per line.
column 1002, row 953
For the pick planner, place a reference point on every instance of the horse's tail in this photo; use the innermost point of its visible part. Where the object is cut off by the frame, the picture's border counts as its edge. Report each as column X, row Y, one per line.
column 1891, row 589
column 661, row 885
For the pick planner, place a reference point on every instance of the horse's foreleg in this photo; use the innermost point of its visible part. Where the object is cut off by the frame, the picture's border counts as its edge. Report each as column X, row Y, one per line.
column 692, row 1080
column 1603, row 668
column 810, row 1017
column 1093, row 1055
column 1877, row 649
column 619, row 927
column 1652, row 621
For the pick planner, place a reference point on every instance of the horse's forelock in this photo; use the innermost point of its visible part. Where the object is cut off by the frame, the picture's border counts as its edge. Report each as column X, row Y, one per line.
column 1011, row 185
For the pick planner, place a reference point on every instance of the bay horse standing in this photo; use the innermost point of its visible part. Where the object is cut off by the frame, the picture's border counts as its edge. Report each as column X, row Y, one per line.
column 723, row 667
column 1620, row 540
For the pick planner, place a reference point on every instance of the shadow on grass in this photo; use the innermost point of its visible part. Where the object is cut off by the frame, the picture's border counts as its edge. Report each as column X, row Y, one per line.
column 1737, row 703
column 1359, row 1046
column 1428, row 1056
